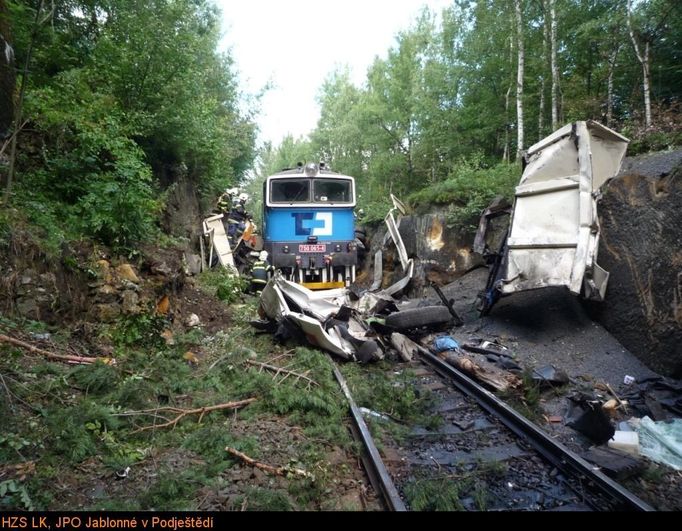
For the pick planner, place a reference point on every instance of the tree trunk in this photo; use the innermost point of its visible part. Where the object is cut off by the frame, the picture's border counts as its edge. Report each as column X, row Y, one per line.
column 20, row 103
column 543, row 63
column 7, row 77
column 506, row 154
column 645, row 62
column 609, row 97
column 554, row 66
column 519, row 79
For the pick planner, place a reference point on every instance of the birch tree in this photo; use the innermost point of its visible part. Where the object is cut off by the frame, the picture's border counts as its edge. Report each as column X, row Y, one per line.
column 519, row 78
column 554, row 65
column 644, row 60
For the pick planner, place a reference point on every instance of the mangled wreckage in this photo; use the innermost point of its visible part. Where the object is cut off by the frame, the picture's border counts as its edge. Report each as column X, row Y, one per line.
column 552, row 241
column 337, row 321
column 553, row 235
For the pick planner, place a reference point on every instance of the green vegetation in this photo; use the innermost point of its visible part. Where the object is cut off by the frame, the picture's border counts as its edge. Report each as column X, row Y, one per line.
column 123, row 99
column 435, row 120
column 376, row 387
column 428, row 494
column 223, row 284
column 89, row 417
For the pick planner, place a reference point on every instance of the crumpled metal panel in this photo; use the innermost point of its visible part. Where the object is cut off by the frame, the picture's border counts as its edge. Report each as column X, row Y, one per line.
column 554, row 231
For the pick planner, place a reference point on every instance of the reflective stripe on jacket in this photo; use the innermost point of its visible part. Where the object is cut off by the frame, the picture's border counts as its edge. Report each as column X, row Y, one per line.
column 259, row 272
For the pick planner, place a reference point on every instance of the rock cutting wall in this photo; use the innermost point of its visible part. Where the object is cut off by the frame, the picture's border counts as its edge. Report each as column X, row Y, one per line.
column 641, row 246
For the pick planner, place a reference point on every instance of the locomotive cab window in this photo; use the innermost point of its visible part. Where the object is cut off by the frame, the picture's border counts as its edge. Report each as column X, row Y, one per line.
column 290, row 191
column 332, row 191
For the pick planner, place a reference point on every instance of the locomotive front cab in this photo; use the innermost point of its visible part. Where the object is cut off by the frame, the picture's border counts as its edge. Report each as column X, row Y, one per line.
column 309, row 227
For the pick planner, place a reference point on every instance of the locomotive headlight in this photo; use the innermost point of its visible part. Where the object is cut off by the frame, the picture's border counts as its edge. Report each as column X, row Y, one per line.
column 310, row 169
column 337, row 248
column 352, row 247
column 285, row 249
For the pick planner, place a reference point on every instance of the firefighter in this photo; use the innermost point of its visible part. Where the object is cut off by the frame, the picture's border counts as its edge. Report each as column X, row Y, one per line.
column 237, row 218
column 260, row 273
column 224, row 204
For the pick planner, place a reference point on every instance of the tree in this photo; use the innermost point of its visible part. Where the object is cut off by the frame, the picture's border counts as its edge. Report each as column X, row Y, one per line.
column 554, row 63
column 644, row 60
column 521, row 57
column 7, row 76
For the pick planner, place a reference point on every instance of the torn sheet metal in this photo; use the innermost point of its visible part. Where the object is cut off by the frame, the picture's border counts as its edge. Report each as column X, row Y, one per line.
column 219, row 244
column 483, row 241
column 395, row 234
column 316, row 314
column 407, row 263
column 554, row 232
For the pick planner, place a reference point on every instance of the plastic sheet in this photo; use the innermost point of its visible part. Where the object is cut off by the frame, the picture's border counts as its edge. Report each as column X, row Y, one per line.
column 661, row 441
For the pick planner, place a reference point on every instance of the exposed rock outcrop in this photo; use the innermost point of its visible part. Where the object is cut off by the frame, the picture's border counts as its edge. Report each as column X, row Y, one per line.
column 641, row 246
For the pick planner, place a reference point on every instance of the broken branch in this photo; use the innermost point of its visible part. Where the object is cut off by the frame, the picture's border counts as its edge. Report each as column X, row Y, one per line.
column 52, row 355
column 279, row 470
column 279, row 370
column 201, row 411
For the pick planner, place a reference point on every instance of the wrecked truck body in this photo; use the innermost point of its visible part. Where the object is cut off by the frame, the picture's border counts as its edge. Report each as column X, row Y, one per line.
column 553, row 236
column 322, row 317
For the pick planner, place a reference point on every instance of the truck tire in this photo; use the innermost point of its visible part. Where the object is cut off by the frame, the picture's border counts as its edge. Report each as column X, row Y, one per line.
column 418, row 317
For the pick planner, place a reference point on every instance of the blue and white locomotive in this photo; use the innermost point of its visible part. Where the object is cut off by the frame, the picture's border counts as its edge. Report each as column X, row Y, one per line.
column 309, row 226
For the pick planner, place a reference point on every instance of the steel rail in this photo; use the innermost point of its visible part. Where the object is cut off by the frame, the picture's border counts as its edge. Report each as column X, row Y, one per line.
column 555, row 452
column 374, row 465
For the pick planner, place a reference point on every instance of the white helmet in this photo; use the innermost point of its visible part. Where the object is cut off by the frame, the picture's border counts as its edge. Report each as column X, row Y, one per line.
column 243, row 197
column 232, row 191
column 263, row 256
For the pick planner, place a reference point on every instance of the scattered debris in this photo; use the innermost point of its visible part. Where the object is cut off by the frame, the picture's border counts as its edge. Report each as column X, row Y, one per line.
column 121, row 474
column 448, row 304
column 284, row 471
column 62, row 357
column 628, row 380
column 181, row 413
column 614, row 463
column 374, row 414
column 662, row 441
column 550, row 376
column 481, row 346
column 285, row 372
column 658, row 398
column 587, row 417
column 406, row 348
column 626, row 441
column 486, row 373
column 445, row 343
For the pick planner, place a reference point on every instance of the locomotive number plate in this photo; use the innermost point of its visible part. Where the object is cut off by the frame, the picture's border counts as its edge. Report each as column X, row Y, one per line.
column 308, row 248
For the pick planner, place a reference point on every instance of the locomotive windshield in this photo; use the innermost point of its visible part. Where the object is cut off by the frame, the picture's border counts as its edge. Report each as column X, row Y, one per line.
column 324, row 191
column 290, row 191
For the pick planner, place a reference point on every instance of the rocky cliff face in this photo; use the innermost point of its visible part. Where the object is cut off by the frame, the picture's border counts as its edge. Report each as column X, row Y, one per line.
column 441, row 253
column 182, row 217
column 641, row 246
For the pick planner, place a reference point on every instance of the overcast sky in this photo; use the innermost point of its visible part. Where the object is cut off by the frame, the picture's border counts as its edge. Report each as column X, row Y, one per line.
column 295, row 44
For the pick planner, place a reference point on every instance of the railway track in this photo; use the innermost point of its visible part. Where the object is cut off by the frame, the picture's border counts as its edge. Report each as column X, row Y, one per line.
column 482, row 456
